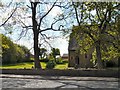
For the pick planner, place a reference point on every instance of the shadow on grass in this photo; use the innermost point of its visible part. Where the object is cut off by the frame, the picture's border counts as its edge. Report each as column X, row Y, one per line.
column 17, row 64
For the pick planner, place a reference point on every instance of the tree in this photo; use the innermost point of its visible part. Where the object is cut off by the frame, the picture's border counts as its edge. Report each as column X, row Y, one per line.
column 26, row 55
column 37, row 29
column 37, row 26
column 42, row 52
column 8, row 50
column 97, row 24
column 13, row 53
column 20, row 54
column 55, row 52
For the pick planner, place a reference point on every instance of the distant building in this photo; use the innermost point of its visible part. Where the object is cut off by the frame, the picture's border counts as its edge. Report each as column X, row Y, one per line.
column 75, row 58
column 65, row 56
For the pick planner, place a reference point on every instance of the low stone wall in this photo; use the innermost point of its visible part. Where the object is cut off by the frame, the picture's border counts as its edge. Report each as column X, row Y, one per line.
column 69, row 72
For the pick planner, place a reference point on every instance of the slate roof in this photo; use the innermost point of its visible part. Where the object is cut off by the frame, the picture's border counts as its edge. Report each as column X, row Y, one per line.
column 72, row 43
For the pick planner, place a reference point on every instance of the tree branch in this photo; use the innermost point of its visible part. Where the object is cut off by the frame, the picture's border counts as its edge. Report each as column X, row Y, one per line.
column 111, row 35
column 44, row 37
column 51, row 28
column 9, row 17
column 24, row 25
column 29, row 7
column 89, row 33
column 114, row 45
column 46, row 15
column 22, row 34
column 97, row 11
column 76, row 13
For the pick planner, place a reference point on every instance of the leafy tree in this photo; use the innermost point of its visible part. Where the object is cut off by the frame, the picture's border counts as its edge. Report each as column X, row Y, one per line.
column 23, row 53
column 13, row 53
column 97, row 24
column 8, row 50
column 19, row 53
column 55, row 52
column 42, row 53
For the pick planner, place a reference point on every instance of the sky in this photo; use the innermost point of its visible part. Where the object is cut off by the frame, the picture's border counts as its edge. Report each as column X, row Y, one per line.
column 61, row 43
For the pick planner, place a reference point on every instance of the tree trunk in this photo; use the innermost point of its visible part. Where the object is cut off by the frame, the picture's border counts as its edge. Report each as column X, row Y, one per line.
column 36, row 52
column 98, row 54
column 36, row 35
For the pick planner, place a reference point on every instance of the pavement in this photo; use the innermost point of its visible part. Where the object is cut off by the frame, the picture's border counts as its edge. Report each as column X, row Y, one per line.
column 15, row 82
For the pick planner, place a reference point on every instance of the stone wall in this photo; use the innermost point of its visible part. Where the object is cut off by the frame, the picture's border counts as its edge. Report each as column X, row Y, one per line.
column 71, row 59
column 68, row 72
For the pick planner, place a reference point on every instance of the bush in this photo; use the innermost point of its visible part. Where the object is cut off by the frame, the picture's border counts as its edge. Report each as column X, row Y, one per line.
column 59, row 61
column 51, row 64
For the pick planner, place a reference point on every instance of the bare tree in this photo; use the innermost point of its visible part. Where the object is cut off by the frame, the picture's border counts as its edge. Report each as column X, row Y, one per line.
column 37, row 23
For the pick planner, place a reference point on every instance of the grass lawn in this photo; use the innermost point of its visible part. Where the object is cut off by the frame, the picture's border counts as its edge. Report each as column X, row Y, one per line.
column 61, row 66
column 28, row 65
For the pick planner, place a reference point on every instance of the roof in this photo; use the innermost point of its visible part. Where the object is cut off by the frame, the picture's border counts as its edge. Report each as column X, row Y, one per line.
column 73, row 45
column 65, row 55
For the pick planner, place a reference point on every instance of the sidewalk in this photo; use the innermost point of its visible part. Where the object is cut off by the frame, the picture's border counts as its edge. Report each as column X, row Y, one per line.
column 57, row 82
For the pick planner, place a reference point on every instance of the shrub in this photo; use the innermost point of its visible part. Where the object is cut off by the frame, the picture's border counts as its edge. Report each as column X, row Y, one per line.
column 59, row 61
column 51, row 64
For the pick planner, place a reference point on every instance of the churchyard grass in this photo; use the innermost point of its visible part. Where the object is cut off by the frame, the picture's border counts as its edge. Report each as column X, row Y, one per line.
column 29, row 65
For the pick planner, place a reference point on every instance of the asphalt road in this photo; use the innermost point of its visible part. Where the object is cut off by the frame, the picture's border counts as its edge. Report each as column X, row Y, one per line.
column 15, row 82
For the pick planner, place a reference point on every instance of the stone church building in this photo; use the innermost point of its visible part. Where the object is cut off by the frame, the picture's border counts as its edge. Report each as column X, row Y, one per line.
column 75, row 58
column 82, row 60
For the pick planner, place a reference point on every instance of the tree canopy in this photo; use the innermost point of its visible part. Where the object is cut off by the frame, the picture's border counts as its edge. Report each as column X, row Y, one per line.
column 98, row 27
column 13, row 53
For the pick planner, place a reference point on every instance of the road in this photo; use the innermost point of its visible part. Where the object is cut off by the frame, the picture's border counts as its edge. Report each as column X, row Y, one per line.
column 35, row 81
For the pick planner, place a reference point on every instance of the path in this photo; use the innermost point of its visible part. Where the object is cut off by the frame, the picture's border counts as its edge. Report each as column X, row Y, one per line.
column 30, row 81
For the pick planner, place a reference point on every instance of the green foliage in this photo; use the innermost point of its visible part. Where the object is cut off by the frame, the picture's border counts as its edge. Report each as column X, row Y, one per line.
column 100, row 23
column 8, row 50
column 55, row 52
column 50, row 56
column 19, row 54
column 13, row 53
column 59, row 61
column 51, row 64
column 26, row 53
column 110, row 53
column 42, row 53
